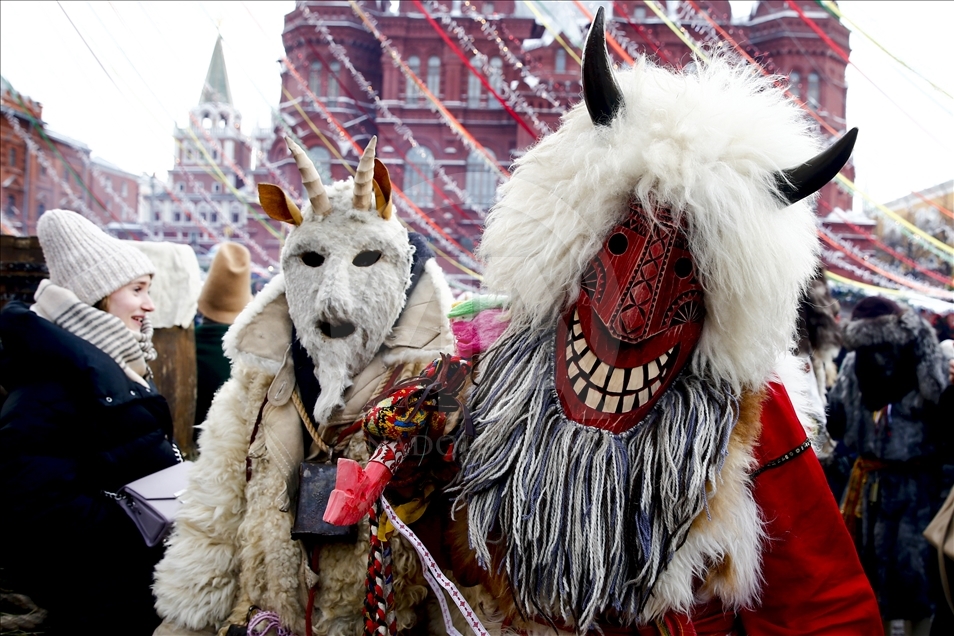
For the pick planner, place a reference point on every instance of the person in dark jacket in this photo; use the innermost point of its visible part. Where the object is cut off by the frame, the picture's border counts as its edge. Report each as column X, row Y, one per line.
column 885, row 409
column 227, row 289
column 82, row 419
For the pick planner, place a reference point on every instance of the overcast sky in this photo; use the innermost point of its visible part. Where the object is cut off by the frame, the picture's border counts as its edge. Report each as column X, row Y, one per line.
column 151, row 59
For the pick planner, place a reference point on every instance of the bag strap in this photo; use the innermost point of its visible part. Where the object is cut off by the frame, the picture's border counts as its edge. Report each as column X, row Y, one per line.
column 942, row 565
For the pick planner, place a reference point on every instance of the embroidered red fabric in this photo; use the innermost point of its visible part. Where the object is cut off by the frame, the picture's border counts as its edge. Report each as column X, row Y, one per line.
column 814, row 583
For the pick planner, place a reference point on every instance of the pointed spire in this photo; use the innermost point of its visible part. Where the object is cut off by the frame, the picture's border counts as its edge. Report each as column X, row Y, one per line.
column 216, row 87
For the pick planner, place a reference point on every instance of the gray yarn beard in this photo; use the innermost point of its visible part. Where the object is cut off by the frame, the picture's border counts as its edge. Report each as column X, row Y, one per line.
column 535, row 477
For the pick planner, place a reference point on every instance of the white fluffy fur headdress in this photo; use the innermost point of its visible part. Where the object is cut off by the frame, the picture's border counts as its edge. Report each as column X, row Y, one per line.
column 707, row 143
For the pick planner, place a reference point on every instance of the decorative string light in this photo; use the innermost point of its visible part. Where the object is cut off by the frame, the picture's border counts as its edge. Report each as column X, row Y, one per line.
column 339, row 53
column 513, row 99
column 459, row 129
column 190, row 206
column 943, row 251
column 656, row 46
column 74, row 200
column 877, row 266
column 490, row 32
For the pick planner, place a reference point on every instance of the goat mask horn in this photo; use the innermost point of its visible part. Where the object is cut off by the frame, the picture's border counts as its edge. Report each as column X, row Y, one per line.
column 320, row 204
column 801, row 181
column 601, row 93
column 364, row 178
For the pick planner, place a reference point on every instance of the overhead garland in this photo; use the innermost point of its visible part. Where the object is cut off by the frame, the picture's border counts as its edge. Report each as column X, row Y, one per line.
column 346, row 138
column 833, row 9
column 490, row 32
column 940, row 249
column 458, row 128
column 400, row 127
column 513, row 99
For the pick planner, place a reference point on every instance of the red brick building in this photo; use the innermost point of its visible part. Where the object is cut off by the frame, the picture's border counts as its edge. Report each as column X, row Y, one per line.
column 41, row 170
column 775, row 35
column 448, row 183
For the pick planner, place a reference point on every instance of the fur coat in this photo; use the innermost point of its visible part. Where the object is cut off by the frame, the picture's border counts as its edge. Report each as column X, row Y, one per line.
column 902, row 493
column 232, row 545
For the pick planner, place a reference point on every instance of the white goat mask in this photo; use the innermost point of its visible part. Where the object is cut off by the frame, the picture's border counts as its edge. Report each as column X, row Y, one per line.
column 347, row 266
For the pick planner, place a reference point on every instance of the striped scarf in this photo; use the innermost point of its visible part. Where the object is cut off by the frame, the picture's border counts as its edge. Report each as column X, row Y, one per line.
column 130, row 350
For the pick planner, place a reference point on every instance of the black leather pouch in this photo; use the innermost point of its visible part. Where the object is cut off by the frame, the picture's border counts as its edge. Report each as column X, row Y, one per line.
column 315, row 482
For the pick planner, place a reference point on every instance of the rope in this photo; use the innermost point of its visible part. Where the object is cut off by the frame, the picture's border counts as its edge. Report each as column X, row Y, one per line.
column 303, row 413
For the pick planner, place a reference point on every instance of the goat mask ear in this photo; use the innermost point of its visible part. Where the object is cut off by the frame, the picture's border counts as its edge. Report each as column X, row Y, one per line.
column 382, row 190
column 277, row 204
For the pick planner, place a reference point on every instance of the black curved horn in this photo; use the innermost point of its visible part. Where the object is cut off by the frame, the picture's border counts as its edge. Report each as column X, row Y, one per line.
column 600, row 90
column 801, row 181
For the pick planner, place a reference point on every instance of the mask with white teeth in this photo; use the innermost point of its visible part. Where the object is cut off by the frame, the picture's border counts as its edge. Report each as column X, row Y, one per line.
column 634, row 326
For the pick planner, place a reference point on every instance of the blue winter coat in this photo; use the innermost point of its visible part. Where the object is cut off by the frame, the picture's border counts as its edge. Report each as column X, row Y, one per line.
column 73, row 426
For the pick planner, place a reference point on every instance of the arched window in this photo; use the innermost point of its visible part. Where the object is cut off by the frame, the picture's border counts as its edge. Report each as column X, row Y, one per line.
column 322, row 160
column 473, row 87
column 814, row 89
column 334, row 88
column 418, row 174
column 481, row 181
column 559, row 63
column 434, row 74
column 411, row 92
column 496, row 81
column 794, row 85
column 223, row 122
column 314, row 78
column 206, row 121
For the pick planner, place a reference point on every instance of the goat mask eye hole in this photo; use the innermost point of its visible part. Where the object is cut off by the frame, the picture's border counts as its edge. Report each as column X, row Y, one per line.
column 312, row 259
column 366, row 259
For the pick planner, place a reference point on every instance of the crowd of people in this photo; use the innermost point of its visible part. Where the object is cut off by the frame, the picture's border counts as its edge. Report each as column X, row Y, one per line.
column 622, row 448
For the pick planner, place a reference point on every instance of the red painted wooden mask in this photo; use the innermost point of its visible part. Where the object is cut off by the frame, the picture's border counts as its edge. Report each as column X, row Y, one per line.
column 634, row 326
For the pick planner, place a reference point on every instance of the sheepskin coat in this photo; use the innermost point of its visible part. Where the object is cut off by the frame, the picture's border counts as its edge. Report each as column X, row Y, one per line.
column 232, row 545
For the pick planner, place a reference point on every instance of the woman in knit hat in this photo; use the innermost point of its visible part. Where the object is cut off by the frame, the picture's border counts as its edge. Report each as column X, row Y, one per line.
column 227, row 289
column 83, row 418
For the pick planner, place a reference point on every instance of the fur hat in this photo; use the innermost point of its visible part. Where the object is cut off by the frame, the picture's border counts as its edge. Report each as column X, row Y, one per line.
column 228, row 287
column 86, row 260
column 874, row 307
column 877, row 320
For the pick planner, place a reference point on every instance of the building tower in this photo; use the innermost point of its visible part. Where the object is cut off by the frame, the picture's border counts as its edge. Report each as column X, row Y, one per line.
column 209, row 195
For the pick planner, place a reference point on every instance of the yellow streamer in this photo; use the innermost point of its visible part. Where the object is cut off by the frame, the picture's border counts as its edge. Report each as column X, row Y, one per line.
column 872, row 288
column 677, row 30
column 556, row 34
column 844, row 181
column 834, row 10
column 894, row 216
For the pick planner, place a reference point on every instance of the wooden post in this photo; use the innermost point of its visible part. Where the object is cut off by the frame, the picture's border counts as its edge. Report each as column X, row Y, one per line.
column 175, row 377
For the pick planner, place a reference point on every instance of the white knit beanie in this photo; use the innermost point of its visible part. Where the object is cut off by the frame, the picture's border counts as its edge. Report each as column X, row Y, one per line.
column 86, row 260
